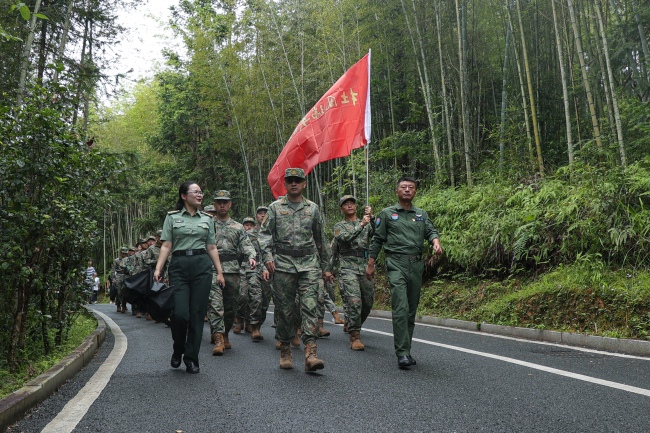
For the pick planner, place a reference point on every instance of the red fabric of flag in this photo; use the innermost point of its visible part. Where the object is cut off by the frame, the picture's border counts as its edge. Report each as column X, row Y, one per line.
column 338, row 123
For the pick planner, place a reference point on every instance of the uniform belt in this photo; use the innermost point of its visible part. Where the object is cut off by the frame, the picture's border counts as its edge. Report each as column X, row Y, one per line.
column 228, row 257
column 189, row 252
column 355, row 253
column 299, row 252
column 410, row 257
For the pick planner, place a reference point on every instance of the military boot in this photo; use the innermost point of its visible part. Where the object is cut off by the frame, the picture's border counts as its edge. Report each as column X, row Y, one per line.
column 248, row 327
column 355, row 341
column 286, row 361
column 218, row 344
column 312, row 363
column 238, row 326
column 337, row 318
column 323, row 332
column 226, row 342
column 278, row 344
column 256, row 335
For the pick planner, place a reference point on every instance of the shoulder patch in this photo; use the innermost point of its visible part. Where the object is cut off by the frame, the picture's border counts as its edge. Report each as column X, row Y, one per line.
column 337, row 232
column 172, row 212
column 377, row 221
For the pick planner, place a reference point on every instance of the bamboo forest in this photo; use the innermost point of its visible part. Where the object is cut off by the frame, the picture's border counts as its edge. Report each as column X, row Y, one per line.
column 526, row 122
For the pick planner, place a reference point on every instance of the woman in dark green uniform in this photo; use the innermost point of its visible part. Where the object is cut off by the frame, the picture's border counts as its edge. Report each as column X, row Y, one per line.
column 188, row 234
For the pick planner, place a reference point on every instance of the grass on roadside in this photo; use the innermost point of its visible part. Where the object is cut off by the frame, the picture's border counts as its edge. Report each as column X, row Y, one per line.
column 30, row 368
column 584, row 297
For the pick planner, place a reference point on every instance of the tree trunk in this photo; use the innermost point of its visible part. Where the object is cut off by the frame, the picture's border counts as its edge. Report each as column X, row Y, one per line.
column 585, row 77
column 462, row 65
column 450, row 145
column 533, row 109
column 565, row 90
column 610, row 75
column 26, row 52
column 63, row 40
column 644, row 41
column 504, row 90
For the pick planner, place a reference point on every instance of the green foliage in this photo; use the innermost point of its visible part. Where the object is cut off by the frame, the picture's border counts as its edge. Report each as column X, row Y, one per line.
column 36, row 361
column 52, row 192
column 584, row 211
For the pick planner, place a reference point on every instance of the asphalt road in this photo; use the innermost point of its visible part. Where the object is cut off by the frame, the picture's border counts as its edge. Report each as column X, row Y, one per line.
column 464, row 382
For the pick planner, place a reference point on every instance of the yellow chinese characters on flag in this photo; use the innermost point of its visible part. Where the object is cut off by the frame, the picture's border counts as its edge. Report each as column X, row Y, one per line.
column 338, row 123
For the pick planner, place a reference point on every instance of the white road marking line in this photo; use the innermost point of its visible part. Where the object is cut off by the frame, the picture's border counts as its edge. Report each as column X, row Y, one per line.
column 582, row 377
column 523, row 340
column 76, row 408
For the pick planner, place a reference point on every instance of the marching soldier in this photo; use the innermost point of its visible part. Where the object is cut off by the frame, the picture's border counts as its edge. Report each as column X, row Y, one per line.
column 352, row 238
column 232, row 244
column 295, row 250
column 401, row 230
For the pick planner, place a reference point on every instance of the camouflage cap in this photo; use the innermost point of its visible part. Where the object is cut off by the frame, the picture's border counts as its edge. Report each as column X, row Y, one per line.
column 142, row 241
column 346, row 198
column 132, row 249
column 222, row 194
column 261, row 208
column 124, row 250
column 151, row 238
column 209, row 208
column 248, row 220
column 159, row 233
column 294, row 172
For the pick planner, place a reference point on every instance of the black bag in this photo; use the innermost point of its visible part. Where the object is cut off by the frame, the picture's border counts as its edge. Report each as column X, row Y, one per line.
column 137, row 286
column 160, row 302
column 113, row 292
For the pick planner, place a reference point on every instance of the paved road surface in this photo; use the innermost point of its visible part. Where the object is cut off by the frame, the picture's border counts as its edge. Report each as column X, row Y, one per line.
column 464, row 382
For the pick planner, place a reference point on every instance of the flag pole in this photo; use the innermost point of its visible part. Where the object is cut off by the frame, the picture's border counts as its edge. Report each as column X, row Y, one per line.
column 367, row 132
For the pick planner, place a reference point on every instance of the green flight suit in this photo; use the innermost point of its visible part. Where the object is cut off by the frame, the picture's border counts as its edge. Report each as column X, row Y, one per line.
column 402, row 233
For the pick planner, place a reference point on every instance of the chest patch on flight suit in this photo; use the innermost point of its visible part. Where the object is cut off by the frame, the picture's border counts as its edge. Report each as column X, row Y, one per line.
column 418, row 218
column 377, row 222
column 179, row 221
column 394, row 216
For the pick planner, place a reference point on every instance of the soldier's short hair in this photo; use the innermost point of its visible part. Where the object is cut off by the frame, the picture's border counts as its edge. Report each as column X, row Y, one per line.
column 408, row 179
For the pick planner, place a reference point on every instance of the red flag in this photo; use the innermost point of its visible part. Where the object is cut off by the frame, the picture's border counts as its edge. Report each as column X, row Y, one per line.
column 338, row 123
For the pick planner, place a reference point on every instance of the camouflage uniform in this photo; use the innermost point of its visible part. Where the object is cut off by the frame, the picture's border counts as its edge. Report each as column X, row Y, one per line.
column 352, row 241
column 232, row 244
column 294, row 238
column 258, row 298
column 122, row 273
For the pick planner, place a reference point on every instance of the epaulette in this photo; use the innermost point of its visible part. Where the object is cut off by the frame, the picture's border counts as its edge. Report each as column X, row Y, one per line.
column 172, row 212
column 309, row 202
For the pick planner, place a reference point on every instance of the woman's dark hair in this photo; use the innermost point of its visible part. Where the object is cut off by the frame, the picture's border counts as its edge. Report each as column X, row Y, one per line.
column 183, row 189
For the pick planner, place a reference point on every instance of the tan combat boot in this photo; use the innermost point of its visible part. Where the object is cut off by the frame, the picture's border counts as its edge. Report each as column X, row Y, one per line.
column 256, row 335
column 345, row 327
column 238, row 326
column 278, row 344
column 286, row 361
column 248, row 327
column 355, row 341
column 312, row 363
column 323, row 332
column 337, row 318
column 226, row 342
column 218, row 349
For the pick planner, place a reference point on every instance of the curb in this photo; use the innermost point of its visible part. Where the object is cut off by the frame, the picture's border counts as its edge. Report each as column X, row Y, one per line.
column 15, row 405
column 608, row 344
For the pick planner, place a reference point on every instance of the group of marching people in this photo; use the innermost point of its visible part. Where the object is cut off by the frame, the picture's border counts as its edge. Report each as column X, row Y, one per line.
column 242, row 303
column 226, row 272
